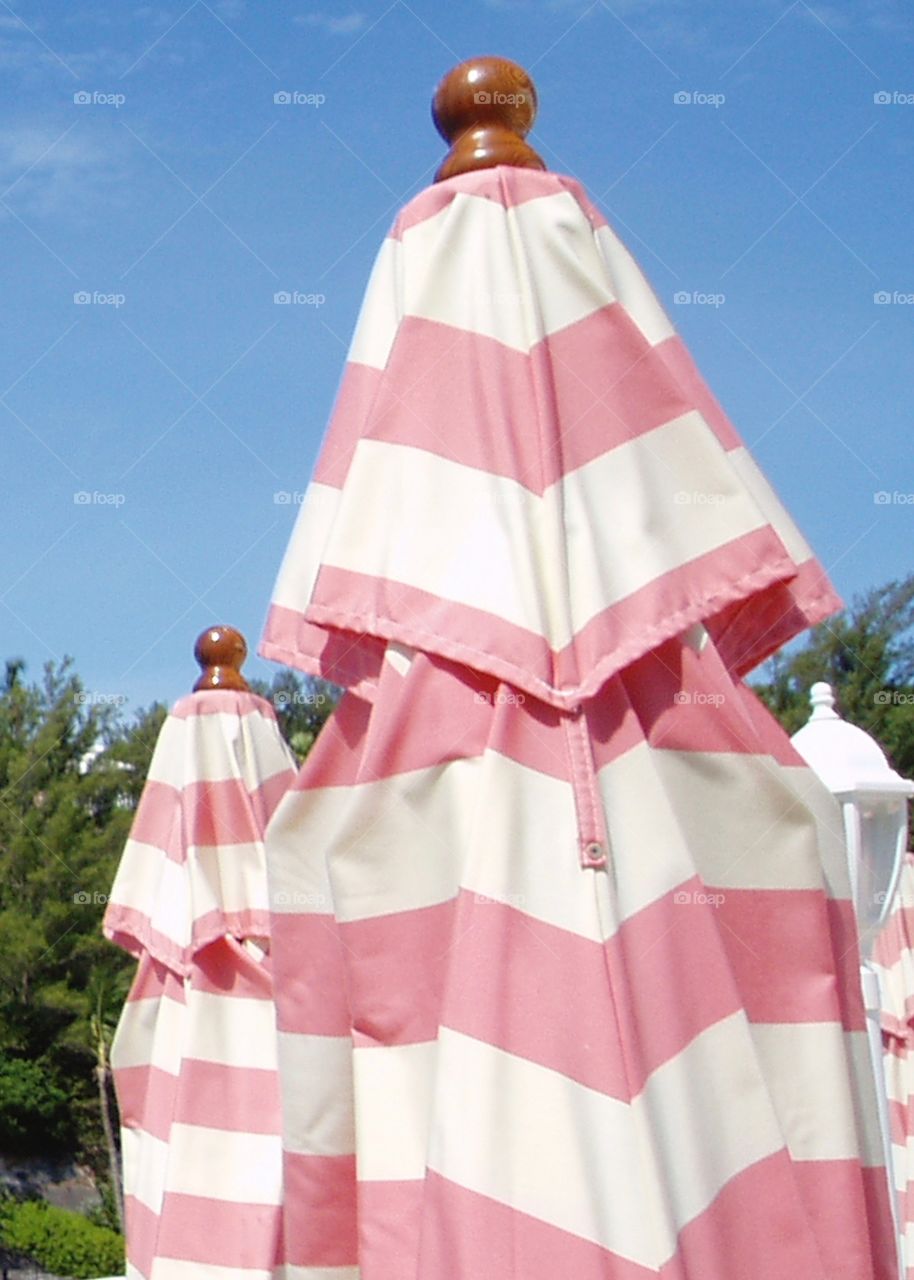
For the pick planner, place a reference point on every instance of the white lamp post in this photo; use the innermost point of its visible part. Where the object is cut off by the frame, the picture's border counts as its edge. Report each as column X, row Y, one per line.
column 874, row 804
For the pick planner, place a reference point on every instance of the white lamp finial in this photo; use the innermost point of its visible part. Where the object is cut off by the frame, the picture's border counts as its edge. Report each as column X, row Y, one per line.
column 822, row 700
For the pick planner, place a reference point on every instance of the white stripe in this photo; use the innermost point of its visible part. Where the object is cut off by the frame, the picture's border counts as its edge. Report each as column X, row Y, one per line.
column 234, row 1031
column 150, row 1033
column 228, row 878
column 628, row 1178
column 317, row 1097
column 394, row 1090
column 175, row 1269
column 145, row 1161
column 379, row 837
column 764, row 837
column 394, row 845
column 147, row 880
column 473, row 520
column 768, row 501
column 302, row 559
column 806, row 1069
column 515, row 275
column 632, row 289
column 219, row 747
column 221, row 1164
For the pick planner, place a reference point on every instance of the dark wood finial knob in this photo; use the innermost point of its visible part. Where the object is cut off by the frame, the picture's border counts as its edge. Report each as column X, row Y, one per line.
column 485, row 108
column 220, row 651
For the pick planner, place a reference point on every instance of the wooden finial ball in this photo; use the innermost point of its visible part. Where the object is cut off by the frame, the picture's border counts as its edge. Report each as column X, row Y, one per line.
column 220, row 652
column 485, row 107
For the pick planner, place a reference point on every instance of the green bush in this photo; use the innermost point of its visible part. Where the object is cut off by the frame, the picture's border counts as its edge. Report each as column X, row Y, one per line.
column 34, row 1113
column 62, row 1242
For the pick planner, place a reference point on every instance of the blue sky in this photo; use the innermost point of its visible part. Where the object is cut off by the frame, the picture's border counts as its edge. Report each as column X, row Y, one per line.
column 145, row 166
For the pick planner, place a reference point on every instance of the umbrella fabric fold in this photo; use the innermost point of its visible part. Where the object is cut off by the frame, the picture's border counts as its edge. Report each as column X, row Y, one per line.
column 565, row 957
column 194, row 1056
column 893, row 960
column 515, row 392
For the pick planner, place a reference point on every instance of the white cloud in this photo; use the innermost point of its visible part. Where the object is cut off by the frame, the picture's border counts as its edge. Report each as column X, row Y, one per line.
column 45, row 171
column 344, row 25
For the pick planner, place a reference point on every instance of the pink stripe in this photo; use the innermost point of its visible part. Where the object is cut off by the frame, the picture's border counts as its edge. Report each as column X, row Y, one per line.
column 354, row 404
column 320, row 1211
column 225, row 968
column 208, row 1094
column 685, row 375
column 142, row 1229
column 154, row 981
column 748, row 632
column 146, row 1099
column 211, row 702
column 220, row 1233
column 243, row 1099
column 132, row 930
column 605, row 1016
column 505, row 184
column 766, row 952
column 467, row 1236
column 390, row 1223
column 625, row 631
column 348, row 659
column 849, row 1209
column 901, row 1121
column 210, row 814
column 896, row 939
column 598, row 384
column 310, row 975
column 792, row 955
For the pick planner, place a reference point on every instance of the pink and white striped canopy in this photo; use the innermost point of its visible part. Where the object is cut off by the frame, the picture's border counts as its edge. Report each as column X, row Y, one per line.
column 194, row 1056
column 565, row 958
column 893, row 959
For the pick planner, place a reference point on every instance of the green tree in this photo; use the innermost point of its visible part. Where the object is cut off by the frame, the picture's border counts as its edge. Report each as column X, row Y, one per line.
column 866, row 654
column 62, row 828
column 303, row 705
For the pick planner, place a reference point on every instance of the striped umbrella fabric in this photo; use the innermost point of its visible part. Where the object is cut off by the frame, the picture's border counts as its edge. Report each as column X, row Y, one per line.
column 893, row 960
column 194, row 1056
column 565, row 957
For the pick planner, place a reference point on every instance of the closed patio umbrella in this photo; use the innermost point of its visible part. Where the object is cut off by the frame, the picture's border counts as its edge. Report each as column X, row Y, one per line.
column 893, row 959
column 564, row 952
column 194, row 1056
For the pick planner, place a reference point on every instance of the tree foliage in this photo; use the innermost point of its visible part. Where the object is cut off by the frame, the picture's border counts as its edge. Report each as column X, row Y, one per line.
column 866, row 654
column 65, row 1243
column 71, row 775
